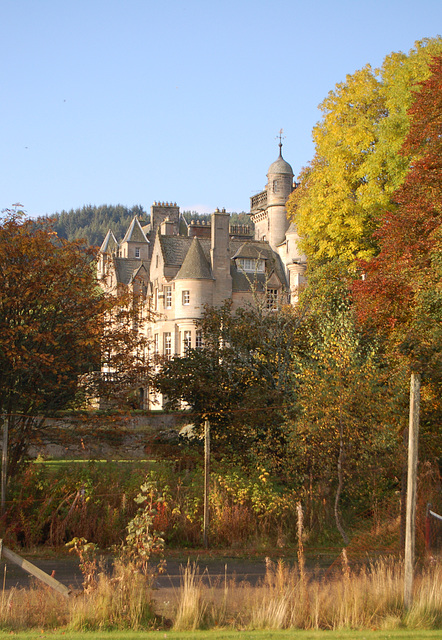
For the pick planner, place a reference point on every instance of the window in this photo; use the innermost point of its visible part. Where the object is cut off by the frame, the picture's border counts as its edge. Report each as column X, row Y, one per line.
column 198, row 339
column 137, row 252
column 186, row 297
column 167, row 297
column 187, row 341
column 251, row 265
column 167, row 337
column 275, row 186
column 156, row 344
column 272, row 299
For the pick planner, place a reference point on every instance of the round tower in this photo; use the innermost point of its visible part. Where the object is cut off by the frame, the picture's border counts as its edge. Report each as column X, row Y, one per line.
column 279, row 187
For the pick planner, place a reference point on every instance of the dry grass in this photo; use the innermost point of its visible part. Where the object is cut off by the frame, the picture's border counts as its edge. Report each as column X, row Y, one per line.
column 121, row 601
column 370, row 598
column 38, row 607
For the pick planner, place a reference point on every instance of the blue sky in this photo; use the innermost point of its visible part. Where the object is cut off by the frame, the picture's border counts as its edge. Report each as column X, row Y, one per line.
column 131, row 101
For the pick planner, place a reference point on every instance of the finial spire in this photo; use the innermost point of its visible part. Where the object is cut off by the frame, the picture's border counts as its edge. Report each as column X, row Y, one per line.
column 281, row 137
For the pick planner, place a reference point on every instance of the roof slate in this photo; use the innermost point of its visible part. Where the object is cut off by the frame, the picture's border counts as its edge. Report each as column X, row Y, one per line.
column 135, row 233
column 125, row 268
column 175, row 248
column 195, row 265
column 110, row 243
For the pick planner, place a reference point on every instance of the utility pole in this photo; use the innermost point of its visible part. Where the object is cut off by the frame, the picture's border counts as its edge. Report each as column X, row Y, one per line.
column 410, row 527
column 206, row 480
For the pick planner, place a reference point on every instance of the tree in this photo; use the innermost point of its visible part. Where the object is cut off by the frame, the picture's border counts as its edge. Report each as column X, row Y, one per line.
column 91, row 223
column 344, row 438
column 124, row 373
column 241, row 379
column 49, row 334
column 356, row 169
column 401, row 295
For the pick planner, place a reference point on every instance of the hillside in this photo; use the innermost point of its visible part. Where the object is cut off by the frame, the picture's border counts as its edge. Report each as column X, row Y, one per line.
column 92, row 222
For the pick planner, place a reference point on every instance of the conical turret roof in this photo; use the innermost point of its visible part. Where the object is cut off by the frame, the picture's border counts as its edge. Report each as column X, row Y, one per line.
column 195, row 265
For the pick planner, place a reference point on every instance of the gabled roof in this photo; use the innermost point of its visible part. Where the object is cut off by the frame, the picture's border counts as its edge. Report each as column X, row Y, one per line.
column 126, row 268
column 135, row 233
column 195, row 265
column 251, row 250
column 110, row 244
column 175, row 248
column 255, row 249
column 141, row 269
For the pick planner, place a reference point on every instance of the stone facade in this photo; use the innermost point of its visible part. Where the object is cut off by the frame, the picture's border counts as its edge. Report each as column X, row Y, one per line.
column 180, row 268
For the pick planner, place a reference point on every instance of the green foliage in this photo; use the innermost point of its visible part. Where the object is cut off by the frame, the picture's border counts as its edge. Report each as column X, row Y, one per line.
column 357, row 168
column 241, row 379
column 50, row 506
column 344, row 443
column 235, row 218
column 91, row 222
column 142, row 540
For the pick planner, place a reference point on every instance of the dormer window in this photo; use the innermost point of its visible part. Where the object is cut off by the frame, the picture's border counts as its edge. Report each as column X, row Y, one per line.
column 251, row 265
column 137, row 252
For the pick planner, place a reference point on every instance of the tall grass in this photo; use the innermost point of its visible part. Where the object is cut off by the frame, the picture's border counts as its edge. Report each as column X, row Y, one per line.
column 122, row 601
column 38, row 607
column 370, row 598
column 191, row 610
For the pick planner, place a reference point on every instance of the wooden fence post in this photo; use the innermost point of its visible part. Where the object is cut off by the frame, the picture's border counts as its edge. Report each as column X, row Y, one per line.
column 4, row 477
column 410, row 527
column 33, row 570
column 206, row 481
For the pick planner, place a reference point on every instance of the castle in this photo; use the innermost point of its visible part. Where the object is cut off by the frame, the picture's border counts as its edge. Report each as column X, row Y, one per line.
column 180, row 268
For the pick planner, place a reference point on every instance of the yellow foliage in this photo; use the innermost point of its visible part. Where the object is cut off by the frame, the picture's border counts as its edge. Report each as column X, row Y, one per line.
column 357, row 166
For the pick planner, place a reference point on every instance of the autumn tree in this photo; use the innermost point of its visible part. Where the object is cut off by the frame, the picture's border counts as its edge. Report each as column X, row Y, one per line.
column 62, row 339
column 401, row 295
column 49, row 307
column 345, row 435
column 356, row 169
column 124, row 373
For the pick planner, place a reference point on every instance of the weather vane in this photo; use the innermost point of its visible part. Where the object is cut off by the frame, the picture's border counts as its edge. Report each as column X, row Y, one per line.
column 281, row 138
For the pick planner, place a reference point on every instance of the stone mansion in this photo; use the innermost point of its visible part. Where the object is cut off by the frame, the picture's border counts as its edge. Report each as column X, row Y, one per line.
column 182, row 267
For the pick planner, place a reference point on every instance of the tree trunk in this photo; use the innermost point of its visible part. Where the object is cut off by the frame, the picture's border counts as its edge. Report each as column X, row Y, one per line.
column 340, row 480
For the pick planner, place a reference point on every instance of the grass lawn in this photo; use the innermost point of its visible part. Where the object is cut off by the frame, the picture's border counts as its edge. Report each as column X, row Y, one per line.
column 398, row 634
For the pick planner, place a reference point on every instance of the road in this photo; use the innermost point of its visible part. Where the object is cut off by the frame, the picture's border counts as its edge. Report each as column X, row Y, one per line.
column 66, row 570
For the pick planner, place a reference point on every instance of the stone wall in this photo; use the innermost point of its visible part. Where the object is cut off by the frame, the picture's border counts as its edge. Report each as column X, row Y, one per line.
column 110, row 437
